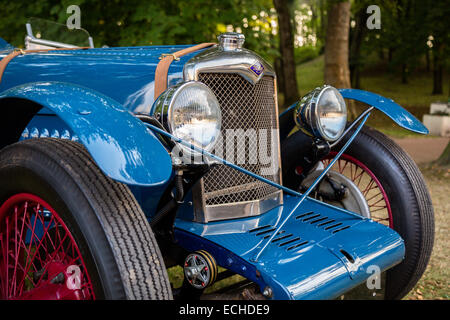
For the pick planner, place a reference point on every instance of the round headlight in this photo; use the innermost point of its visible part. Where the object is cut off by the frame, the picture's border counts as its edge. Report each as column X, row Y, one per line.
column 322, row 113
column 191, row 112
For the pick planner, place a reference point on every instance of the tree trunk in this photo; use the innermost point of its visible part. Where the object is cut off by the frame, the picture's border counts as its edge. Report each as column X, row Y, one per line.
column 438, row 69
column 322, row 27
column 278, row 65
column 355, row 48
column 390, row 54
column 290, row 89
column 337, row 71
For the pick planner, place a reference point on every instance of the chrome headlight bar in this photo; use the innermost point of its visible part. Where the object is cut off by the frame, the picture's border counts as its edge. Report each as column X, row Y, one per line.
column 191, row 112
column 322, row 113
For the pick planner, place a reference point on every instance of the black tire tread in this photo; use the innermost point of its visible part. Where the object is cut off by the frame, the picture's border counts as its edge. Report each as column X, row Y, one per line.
column 425, row 212
column 135, row 249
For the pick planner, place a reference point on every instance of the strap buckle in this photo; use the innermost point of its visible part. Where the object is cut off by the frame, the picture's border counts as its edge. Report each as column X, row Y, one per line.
column 21, row 51
column 169, row 55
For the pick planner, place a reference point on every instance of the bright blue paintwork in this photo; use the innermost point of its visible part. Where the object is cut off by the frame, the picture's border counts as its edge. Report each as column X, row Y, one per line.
column 5, row 46
column 315, row 270
column 48, row 124
column 124, row 78
column 119, row 143
column 124, row 74
column 313, row 185
column 390, row 108
column 312, row 264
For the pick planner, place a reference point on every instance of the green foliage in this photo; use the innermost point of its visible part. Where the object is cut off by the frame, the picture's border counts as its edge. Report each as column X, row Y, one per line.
column 409, row 28
column 406, row 27
column 136, row 22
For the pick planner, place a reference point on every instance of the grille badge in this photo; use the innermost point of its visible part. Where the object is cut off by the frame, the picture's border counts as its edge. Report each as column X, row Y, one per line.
column 257, row 68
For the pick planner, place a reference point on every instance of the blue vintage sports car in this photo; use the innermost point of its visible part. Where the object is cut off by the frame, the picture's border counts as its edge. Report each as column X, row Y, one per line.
column 118, row 163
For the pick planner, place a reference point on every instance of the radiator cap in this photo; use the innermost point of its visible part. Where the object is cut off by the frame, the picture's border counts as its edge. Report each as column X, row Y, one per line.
column 231, row 41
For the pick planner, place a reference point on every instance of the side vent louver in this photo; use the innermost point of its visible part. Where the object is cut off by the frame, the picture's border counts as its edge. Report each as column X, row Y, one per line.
column 290, row 241
column 321, row 221
column 282, row 240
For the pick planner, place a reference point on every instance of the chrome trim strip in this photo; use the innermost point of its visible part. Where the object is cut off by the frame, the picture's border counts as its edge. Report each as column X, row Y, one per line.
column 277, row 119
column 218, row 60
column 30, row 39
column 243, row 209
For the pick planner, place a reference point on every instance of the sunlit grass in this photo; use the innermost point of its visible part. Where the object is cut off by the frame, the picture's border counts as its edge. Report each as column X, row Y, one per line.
column 310, row 75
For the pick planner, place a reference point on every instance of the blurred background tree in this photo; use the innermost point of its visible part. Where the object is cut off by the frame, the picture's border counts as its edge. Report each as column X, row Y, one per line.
column 409, row 52
column 337, row 72
column 286, row 35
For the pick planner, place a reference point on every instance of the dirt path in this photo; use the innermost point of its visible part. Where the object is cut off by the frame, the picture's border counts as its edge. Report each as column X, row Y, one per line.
column 423, row 150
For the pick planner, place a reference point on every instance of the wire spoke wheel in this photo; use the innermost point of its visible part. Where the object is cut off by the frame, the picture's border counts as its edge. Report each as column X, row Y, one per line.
column 369, row 185
column 39, row 258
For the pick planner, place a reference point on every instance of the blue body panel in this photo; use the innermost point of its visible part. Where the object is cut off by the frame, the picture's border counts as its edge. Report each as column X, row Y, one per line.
column 118, row 142
column 5, row 46
column 118, row 80
column 310, row 267
column 124, row 74
column 390, row 108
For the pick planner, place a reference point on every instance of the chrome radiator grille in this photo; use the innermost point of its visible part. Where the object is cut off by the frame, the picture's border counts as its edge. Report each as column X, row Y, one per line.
column 244, row 106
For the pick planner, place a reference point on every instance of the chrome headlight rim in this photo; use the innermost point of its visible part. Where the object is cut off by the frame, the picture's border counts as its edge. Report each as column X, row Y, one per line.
column 163, row 110
column 307, row 115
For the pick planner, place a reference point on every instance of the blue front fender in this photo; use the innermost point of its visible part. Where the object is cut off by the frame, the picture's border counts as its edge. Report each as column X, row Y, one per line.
column 120, row 144
column 390, row 108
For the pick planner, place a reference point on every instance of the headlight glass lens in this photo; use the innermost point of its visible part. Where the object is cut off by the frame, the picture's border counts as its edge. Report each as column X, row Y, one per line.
column 331, row 113
column 195, row 116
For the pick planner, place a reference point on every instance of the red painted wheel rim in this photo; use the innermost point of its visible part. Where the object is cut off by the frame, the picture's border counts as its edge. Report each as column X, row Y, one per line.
column 368, row 184
column 39, row 258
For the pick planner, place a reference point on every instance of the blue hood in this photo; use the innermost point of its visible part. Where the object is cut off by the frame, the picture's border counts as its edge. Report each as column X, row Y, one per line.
column 5, row 46
column 125, row 74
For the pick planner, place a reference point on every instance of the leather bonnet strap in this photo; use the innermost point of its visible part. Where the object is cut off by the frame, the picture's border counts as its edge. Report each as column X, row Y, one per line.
column 4, row 62
column 163, row 66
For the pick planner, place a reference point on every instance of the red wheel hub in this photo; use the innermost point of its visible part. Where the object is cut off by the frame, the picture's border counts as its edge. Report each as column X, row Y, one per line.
column 39, row 258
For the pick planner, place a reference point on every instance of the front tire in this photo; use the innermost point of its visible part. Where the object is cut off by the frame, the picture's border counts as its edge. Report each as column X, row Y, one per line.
column 407, row 202
column 93, row 223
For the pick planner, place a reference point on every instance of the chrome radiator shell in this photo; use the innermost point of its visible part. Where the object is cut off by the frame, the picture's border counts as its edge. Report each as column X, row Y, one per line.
column 248, row 101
